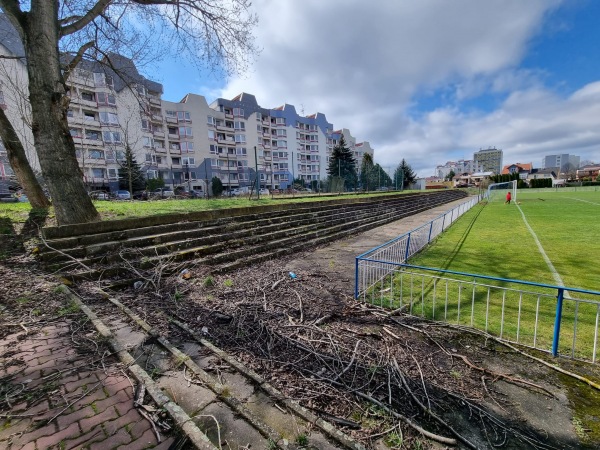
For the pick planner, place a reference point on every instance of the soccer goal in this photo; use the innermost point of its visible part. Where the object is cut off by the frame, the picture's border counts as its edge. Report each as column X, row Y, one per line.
column 497, row 191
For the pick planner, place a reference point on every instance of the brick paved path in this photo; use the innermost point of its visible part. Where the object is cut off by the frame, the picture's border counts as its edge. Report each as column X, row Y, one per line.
column 89, row 398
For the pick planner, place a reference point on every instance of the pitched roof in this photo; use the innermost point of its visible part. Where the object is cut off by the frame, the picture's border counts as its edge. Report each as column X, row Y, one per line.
column 521, row 167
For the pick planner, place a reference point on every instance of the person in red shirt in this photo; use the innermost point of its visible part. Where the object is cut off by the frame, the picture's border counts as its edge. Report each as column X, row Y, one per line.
column 508, row 198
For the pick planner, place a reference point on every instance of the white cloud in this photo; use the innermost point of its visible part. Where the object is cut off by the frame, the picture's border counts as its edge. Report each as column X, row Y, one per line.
column 365, row 64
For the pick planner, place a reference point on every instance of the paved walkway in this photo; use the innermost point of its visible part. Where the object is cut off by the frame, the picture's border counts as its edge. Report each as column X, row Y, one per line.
column 338, row 258
column 58, row 398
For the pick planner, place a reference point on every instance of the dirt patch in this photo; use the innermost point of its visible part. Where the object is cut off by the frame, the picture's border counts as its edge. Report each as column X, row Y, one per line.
column 379, row 377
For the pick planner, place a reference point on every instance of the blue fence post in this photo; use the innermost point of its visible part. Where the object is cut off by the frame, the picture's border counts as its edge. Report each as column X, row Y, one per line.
column 407, row 245
column 356, row 279
column 430, row 230
column 559, row 304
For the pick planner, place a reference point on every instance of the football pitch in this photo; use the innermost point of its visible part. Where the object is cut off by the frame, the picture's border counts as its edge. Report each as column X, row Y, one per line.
column 493, row 239
column 546, row 238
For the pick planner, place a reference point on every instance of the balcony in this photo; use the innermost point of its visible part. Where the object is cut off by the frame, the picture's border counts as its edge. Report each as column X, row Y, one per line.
column 175, row 151
column 94, row 142
column 82, row 102
column 156, row 118
column 171, row 119
column 158, row 133
column 160, row 149
column 174, row 136
column 224, row 128
column 226, row 141
column 154, row 100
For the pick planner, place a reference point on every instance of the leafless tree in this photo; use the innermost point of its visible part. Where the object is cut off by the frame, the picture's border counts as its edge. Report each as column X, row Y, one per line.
column 217, row 32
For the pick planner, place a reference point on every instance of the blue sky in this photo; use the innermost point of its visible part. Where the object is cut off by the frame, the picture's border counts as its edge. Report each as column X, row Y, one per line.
column 429, row 81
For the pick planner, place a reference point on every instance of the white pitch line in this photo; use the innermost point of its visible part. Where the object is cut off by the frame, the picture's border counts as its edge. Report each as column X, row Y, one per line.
column 553, row 270
column 586, row 201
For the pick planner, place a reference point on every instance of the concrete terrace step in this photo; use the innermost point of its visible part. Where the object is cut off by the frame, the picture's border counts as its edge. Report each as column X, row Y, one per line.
column 224, row 246
column 228, row 242
column 188, row 226
column 203, row 236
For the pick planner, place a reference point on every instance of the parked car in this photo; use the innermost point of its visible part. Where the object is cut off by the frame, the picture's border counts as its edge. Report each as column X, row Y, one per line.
column 191, row 193
column 99, row 195
column 122, row 195
column 140, row 195
column 237, row 192
column 263, row 191
column 163, row 193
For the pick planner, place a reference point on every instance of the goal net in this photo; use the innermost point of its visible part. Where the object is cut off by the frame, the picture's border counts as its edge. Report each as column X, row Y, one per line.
column 497, row 191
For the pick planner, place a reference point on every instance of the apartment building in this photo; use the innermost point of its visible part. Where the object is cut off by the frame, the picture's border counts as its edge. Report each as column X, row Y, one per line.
column 185, row 143
column 563, row 161
column 458, row 167
column 489, row 160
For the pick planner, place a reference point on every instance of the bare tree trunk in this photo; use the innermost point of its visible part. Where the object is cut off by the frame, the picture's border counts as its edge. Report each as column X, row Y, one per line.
column 47, row 94
column 20, row 164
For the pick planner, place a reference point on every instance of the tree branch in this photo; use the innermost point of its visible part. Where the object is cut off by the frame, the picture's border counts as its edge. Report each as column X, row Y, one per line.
column 77, row 58
column 13, row 11
column 80, row 23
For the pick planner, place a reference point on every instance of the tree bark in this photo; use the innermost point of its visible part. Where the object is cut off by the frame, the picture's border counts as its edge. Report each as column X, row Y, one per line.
column 47, row 94
column 20, row 165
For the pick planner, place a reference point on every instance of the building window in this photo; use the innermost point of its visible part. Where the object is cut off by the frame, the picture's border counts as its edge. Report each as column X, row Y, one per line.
column 98, row 173
column 240, row 138
column 88, row 96
column 152, row 174
column 187, row 147
column 75, row 132
column 184, row 116
column 109, row 118
column 241, row 151
column 113, row 174
column 106, row 99
column 185, row 131
column 111, row 136
column 95, row 154
column 188, row 161
column 210, row 120
column 92, row 135
column 238, row 112
column 239, row 125
column 280, row 120
column 212, row 135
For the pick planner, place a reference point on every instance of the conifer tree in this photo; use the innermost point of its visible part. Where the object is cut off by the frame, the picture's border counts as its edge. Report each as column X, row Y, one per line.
column 404, row 175
column 131, row 177
column 342, row 164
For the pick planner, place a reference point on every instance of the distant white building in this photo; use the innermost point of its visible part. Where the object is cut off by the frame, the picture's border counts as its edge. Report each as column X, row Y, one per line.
column 562, row 161
column 458, row 167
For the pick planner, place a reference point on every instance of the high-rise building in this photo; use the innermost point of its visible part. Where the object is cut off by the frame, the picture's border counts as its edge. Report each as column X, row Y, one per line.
column 564, row 162
column 489, row 160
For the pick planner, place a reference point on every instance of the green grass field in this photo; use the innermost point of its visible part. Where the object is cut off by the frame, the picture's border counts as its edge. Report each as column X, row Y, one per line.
column 492, row 239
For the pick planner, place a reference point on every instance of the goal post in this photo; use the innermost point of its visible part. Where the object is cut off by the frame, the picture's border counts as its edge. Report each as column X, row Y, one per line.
column 497, row 191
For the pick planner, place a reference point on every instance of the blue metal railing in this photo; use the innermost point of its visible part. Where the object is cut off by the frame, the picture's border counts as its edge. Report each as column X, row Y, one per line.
column 555, row 319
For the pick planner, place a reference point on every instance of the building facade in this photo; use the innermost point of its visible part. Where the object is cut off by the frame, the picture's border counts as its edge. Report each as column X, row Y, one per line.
column 564, row 162
column 458, row 167
column 489, row 160
column 184, row 143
